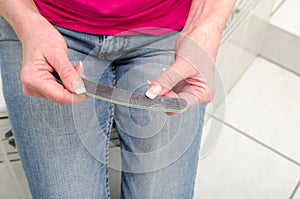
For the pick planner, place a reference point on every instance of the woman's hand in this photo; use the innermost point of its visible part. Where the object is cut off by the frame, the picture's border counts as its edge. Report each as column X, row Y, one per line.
column 44, row 52
column 191, row 76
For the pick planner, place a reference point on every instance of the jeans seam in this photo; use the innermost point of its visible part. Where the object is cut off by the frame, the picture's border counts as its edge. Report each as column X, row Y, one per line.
column 108, row 133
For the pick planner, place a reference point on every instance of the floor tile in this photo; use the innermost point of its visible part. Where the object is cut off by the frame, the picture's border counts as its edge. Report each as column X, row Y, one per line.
column 7, row 189
column 283, row 48
column 239, row 168
column 277, row 3
column 287, row 17
column 265, row 104
column 297, row 194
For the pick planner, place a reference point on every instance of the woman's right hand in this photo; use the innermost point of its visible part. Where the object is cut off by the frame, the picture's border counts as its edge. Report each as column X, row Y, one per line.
column 44, row 52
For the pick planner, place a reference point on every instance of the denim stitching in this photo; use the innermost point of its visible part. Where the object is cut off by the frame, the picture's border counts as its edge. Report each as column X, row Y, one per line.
column 108, row 133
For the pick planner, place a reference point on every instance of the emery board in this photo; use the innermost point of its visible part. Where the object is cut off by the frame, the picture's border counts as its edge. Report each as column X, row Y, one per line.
column 131, row 99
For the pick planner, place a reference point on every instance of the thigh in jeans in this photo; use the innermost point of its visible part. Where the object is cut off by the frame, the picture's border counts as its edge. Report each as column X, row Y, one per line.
column 159, row 152
column 63, row 150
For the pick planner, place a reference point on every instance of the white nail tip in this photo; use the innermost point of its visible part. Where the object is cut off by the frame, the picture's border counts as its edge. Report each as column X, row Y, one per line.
column 80, row 91
column 150, row 95
column 148, row 82
column 164, row 69
column 80, row 63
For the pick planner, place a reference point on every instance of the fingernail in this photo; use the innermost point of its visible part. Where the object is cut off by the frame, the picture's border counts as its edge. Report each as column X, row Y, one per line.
column 148, row 82
column 150, row 95
column 81, row 70
column 79, row 87
column 164, row 69
column 79, row 91
column 154, row 90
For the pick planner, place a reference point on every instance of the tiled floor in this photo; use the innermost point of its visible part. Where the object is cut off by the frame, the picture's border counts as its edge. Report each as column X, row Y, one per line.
column 257, row 155
column 263, row 105
column 277, row 4
column 287, row 16
column 297, row 193
column 8, row 189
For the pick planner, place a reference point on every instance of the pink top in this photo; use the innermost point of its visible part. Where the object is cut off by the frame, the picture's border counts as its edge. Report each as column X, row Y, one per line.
column 116, row 17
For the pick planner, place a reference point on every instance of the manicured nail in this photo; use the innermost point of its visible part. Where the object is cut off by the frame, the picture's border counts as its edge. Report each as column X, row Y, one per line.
column 79, row 87
column 164, row 69
column 81, row 70
column 149, row 82
column 79, row 91
column 150, row 95
column 154, row 90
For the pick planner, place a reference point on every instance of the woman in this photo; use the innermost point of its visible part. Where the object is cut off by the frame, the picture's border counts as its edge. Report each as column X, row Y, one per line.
column 63, row 136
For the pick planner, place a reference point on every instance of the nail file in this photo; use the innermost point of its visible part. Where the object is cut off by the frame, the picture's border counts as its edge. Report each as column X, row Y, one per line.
column 132, row 99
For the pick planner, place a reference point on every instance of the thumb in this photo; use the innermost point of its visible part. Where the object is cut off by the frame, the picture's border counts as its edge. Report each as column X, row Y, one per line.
column 164, row 83
column 69, row 75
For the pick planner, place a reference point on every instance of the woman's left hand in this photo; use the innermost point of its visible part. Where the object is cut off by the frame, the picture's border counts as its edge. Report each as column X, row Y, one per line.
column 191, row 76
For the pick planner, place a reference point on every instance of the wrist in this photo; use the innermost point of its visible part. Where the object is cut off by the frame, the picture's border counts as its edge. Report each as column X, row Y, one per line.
column 22, row 15
column 31, row 22
column 207, row 36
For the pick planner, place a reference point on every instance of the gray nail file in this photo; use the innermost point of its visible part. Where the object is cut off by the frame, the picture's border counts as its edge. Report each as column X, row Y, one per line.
column 131, row 99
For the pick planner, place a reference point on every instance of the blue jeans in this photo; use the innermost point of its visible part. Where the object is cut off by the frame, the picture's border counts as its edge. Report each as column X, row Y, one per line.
column 65, row 148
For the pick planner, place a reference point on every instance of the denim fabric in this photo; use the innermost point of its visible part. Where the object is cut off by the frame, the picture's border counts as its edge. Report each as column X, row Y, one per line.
column 65, row 148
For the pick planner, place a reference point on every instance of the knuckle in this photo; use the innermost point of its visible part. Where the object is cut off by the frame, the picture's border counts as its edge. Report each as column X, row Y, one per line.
column 66, row 72
column 27, row 80
column 59, row 99
column 25, row 91
column 208, row 98
column 169, row 79
column 204, row 95
column 211, row 94
column 62, row 98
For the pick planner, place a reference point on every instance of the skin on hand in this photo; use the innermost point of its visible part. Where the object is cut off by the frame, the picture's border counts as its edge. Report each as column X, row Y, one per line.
column 191, row 76
column 45, row 51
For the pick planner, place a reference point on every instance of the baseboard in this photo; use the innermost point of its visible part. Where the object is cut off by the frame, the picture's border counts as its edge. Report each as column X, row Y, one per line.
column 282, row 48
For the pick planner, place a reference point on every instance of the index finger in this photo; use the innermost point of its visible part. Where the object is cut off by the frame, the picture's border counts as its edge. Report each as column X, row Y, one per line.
column 59, row 94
